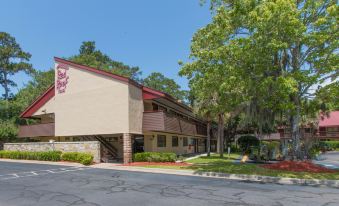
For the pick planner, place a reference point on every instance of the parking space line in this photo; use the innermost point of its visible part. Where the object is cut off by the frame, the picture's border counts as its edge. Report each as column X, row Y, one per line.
column 40, row 172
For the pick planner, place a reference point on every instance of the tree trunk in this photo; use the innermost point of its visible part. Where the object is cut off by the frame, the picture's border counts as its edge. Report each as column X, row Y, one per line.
column 221, row 134
column 5, row 85
column 208, row 144
column 218, row 139
column 295, row 132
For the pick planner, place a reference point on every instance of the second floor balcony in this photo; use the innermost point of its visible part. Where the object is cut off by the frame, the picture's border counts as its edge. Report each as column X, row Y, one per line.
column 166, row 122
column 37, row 130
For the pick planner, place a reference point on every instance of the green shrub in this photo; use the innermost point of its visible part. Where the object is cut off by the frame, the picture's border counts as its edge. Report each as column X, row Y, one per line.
column 330, row 145
column 28, row 155
column 83, row 158
column 272, row 149
column 245, row 142
column 155, row 157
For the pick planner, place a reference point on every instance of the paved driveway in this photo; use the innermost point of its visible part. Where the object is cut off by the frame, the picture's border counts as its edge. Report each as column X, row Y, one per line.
column 41, row 185
column 330, row 160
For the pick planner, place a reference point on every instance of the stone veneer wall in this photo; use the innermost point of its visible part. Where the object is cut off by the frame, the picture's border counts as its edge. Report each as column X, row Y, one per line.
column 92, row 147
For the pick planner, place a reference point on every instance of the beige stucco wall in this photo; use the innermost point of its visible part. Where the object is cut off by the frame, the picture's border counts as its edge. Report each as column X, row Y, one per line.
column 91, row 104
column 47, row 108
column 95, row 104
column 136, row 109
column 150, row 143
column 92, row 147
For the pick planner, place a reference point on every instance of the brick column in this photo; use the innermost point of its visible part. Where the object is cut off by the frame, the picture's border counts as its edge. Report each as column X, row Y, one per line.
column 127, row 147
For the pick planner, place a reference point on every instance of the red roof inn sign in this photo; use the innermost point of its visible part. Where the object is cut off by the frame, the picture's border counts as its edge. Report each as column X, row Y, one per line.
column 62, row 78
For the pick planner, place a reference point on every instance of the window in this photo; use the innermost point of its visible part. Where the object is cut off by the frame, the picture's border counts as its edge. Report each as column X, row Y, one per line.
column 185, row 142
column 175, row 141
column 192, row 141
column 161, row 140
column 155, row 107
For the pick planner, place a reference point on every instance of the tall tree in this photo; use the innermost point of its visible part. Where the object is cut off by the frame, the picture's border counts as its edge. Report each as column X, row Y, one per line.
column 280, row 48
column 90, row 56
column 12, row 60
column 158, row 81
column 9, row 115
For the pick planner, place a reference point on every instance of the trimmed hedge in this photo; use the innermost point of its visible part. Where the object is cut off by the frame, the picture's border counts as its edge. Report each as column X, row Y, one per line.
column 155, row 157
column 83, row 158
column 28, row 155
column 332, row 145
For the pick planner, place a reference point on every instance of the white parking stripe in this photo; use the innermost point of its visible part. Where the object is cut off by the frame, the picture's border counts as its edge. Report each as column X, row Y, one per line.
column 40, row 172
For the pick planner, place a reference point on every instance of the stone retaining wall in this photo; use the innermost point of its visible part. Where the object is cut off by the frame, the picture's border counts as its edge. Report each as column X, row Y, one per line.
column 92, row 147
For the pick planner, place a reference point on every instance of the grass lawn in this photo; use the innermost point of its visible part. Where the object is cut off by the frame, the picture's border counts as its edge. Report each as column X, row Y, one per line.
column 226, row 165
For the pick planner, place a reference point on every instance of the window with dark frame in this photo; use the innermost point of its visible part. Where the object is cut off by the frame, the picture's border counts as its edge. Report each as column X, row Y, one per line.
column 185, row 141
column 161, row 140
column 175, row 141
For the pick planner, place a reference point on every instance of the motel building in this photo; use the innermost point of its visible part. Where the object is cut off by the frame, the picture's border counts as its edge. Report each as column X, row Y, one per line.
column 108, row 115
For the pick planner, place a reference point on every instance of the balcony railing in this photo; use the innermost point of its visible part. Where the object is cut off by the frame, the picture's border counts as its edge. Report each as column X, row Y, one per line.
column 329, row 134
column 37, row 130
column 163, row 121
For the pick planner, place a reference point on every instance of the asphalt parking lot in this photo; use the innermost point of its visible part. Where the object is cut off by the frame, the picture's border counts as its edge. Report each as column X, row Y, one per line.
column 42, row 185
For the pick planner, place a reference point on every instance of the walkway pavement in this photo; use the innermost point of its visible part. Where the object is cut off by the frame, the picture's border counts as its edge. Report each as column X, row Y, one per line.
column 329, row 160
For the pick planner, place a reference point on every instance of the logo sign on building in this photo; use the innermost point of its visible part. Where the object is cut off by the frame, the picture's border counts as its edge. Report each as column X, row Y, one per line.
column 62, row 78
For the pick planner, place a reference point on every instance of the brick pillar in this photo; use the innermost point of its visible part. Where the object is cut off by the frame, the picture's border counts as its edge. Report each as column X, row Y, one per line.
column 127, row 147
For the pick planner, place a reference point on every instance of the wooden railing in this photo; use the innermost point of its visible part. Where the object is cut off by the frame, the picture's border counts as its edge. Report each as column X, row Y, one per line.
column 328, row 134
column 166, row 122
column 37, row 130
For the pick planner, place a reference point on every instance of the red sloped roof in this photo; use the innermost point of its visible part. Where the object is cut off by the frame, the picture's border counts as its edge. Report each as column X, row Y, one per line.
column 331, row 120
column 39, row 102
column 148, row 93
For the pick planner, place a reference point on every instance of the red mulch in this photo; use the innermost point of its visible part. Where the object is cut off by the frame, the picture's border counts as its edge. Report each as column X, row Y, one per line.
column 298, row 166
column 157, row 163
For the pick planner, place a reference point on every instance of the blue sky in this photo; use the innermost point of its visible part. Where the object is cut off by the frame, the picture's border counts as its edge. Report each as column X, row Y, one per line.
column 151, row 34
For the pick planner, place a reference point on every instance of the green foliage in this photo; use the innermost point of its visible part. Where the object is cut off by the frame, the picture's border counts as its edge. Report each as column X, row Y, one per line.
column 11, row 109
column 158, row 81
column 270, row 150
column 245, row 142
column 271, row 145
column 155, row 157
column 8, row 130
column 83, row 158
column 314, row 151
column 27, row 155
column 12, row 60
column 267, row 55
column 90, row 56
column 329, row 145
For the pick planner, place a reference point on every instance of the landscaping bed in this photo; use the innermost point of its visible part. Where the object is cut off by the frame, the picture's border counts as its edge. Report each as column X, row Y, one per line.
column 298, row 166
column 227, row 165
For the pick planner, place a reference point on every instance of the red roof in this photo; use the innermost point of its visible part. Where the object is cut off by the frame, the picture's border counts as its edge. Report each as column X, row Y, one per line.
column 39, row 102
column 329, row 120
column 148, row 93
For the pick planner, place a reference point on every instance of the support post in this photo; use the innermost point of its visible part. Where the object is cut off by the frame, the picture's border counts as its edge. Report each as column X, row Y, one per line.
column 127, row 148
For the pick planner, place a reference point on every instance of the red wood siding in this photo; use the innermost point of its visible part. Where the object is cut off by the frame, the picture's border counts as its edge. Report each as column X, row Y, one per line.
column 37, row 130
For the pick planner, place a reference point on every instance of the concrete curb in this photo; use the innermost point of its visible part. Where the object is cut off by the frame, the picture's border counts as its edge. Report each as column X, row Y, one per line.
column 71, row 164
column 238, row 177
